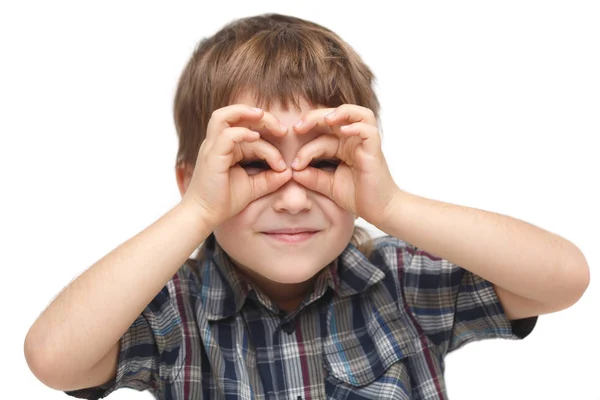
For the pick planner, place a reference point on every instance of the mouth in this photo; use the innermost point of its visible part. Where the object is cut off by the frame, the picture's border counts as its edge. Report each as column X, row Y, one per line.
column 294, row 237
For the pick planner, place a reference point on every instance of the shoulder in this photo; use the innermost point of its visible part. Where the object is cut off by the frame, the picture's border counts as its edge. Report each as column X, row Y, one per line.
column 200, row 290
column 175, row 303
column 391, row 254
column 387, row 241
column 416, row 273
column 184, row 285
column 401, row 255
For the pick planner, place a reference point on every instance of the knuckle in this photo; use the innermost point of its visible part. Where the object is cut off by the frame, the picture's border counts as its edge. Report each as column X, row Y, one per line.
column 217, row 114
column 231, row 130
column 227, row 132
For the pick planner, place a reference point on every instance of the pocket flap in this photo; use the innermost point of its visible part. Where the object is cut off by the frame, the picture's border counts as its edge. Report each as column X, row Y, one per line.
column 377, row 339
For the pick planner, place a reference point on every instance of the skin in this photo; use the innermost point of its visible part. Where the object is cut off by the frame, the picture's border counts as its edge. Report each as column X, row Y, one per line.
column 532, row 270
column 285, row 272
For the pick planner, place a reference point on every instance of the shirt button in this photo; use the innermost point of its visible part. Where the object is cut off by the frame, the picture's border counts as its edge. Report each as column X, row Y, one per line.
column 289, row 327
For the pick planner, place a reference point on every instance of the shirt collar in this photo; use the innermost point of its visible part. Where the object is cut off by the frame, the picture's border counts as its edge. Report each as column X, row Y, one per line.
column 355, row 272
column 224, row 290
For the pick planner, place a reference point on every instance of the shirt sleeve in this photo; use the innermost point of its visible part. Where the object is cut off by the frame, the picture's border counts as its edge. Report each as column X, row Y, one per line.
column 452, row 305
column 149, row 349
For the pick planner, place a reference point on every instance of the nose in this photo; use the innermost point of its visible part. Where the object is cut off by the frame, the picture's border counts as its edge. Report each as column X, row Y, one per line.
column 293, row 198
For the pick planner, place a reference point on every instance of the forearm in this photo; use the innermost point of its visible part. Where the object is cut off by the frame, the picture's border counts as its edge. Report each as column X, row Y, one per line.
column 91, row 314
column 510, row 253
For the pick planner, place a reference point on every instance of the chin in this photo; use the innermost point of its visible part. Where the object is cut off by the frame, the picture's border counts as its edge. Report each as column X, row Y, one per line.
column 294, row 272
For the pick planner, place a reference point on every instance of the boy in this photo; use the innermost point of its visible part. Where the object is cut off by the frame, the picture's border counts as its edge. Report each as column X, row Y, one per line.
column 279, row 153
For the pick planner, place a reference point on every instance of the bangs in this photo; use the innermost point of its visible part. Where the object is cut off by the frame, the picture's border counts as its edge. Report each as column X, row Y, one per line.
column 285, row 66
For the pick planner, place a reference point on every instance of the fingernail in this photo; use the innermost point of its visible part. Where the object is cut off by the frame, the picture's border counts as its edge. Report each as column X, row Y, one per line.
column 330, row 115
column 282, row 164
column 298, row 124
column 295, row 163
column 283, row 127
column 257, row 109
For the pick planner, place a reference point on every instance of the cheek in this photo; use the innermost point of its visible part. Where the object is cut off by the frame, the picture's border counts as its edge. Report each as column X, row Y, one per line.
column 347, row 225
column 243, row 219
column 335, row 214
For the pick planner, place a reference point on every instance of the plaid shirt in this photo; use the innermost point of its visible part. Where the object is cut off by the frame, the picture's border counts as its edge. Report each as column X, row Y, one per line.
column 371, row 328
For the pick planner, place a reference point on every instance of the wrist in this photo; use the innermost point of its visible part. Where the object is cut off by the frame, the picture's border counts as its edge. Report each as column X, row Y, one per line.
column 198, row 216
column 391, row 218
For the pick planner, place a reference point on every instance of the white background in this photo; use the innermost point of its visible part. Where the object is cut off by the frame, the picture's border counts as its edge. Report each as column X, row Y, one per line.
column 494, row 105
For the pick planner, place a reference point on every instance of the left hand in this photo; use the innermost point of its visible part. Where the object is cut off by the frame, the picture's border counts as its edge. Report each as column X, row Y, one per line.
column 362, row 182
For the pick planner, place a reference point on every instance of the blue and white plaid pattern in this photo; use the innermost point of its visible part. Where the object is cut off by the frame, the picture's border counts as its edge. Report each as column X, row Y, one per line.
column 372, row 328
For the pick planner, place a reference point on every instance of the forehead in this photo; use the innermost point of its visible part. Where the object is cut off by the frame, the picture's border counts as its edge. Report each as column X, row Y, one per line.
column 251, row 98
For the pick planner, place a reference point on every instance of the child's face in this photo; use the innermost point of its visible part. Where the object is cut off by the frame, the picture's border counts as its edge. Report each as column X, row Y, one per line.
column 291, row 206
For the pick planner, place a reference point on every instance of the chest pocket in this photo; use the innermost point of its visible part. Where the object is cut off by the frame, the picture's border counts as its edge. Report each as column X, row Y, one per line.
column 368, row 351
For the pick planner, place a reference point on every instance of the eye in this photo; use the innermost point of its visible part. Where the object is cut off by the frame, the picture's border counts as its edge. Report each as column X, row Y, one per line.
column 327, row 165
column 254, row 166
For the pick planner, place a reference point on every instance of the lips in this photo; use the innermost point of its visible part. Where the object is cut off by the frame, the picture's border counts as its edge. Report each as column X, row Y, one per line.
column 293, row 235
column 291, row 231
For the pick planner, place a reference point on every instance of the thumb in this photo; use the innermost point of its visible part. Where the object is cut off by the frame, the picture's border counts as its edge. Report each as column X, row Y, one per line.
column 315, row 180
column 268, row 181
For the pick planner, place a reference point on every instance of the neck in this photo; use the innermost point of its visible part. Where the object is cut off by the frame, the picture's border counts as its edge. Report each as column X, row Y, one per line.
column 287, row 296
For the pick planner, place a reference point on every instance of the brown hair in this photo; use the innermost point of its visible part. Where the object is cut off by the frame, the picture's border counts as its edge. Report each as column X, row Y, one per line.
column 278, row 58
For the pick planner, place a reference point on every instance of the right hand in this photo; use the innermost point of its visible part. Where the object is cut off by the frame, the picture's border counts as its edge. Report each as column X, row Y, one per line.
column 219, row 187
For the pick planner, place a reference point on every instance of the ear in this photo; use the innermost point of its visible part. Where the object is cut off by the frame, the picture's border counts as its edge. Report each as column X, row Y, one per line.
column 183, row 174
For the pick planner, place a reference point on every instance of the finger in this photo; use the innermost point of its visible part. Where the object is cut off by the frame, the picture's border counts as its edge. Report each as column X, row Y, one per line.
column 316, row 180
column 263, row 150
column 328, row 118
column 226, row 143
column 268, row 181
column 371, row 141
column 229, row 116
column 268, row 123
column 248, row 117
column 325, row 146
column 313, row 120
column 350, row 113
